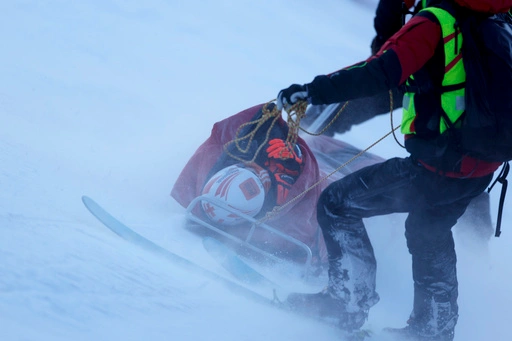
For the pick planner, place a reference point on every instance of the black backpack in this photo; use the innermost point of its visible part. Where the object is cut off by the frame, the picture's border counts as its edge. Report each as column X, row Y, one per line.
column 485, row 130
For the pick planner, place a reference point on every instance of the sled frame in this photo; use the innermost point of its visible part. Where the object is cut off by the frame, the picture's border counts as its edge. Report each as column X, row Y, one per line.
column 254, row 225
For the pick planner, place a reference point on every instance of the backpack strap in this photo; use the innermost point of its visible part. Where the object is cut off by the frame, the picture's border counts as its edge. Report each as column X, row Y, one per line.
column 502, row 178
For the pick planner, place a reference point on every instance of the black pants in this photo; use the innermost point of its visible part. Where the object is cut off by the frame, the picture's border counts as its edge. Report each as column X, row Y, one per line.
column 434, row 204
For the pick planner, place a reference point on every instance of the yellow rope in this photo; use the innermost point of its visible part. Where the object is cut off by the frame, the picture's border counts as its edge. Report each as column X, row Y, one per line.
column 273, row 114
column 299, row 111
column 391, row 105
column 295, row 114
column 329, row 124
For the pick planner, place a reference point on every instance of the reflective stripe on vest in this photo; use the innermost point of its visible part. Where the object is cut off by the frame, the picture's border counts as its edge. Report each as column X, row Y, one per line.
column 452, row 101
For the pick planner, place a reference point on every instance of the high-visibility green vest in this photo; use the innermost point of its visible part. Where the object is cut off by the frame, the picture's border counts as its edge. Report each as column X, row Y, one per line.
column 452, row 90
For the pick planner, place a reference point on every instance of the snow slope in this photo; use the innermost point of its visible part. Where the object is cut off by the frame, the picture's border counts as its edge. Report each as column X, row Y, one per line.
column 109, row 99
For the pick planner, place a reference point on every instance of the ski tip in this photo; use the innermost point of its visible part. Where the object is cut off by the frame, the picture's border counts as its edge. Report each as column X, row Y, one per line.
column 90, row 204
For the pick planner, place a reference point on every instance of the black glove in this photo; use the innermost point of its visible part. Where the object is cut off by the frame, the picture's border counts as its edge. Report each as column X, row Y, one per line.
column 291, row 95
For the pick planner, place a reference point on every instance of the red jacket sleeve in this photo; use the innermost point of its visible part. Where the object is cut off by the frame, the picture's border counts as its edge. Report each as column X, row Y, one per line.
column 414, row 44
column 403, row 54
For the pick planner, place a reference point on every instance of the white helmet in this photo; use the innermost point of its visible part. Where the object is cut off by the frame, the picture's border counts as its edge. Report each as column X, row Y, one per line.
column 241, row 187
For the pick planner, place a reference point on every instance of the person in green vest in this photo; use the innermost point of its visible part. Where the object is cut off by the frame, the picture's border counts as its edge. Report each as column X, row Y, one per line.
column 475, row 228
column 434, row 185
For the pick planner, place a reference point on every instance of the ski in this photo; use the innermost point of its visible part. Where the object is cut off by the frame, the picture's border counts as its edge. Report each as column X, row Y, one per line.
column 229, row 260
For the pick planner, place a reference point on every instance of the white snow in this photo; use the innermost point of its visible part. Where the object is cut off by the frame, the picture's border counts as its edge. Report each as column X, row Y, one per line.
column 109, row 99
